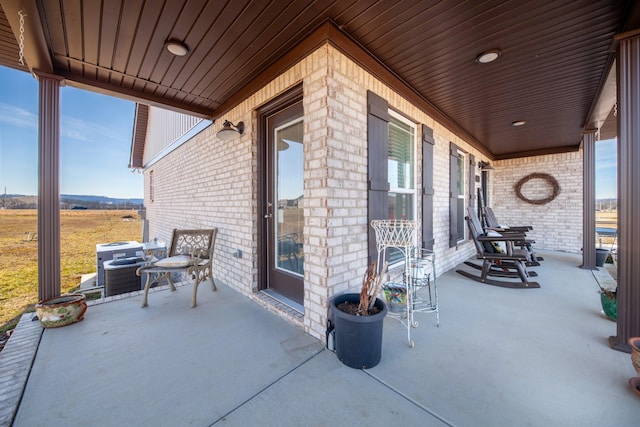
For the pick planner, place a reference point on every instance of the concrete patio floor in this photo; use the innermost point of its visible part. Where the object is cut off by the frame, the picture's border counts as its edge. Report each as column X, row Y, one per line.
column 500, row 357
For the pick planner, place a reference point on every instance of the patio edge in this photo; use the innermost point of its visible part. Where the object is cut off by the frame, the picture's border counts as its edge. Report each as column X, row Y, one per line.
column 16, row 360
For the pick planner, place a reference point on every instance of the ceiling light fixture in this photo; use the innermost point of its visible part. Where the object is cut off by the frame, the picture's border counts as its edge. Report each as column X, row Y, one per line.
column 488, row 56
column 519, row 123
column 228, row 133
column 176, row 48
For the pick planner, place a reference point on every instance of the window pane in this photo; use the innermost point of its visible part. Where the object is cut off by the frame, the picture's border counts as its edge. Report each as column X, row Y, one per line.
column 461, row 222
column 401, row 161
column 400, row 206
column 460, row 175
column 401, row 175
column 289, row 195
column 461, row 196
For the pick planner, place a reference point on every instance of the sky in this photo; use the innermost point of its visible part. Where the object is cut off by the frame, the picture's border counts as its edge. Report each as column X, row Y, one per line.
column 606, row 169
column 95, row 140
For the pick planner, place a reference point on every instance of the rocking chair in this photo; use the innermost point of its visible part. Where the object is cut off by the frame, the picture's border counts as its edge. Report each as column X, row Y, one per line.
column 507, row 263
column 493, row 224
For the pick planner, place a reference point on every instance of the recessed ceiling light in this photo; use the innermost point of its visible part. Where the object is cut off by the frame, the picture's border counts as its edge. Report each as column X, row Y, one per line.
column 176, row 48
column 488, row 56
column 519, row 123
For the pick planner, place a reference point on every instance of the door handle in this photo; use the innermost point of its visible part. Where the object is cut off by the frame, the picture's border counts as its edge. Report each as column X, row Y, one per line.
column 268, row 215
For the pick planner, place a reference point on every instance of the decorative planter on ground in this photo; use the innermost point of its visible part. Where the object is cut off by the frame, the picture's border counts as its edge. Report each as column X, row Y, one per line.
column 396, row 296
column 634, row 343
column 635, row 385
column 601, row 257
column 609, row 304
column 358, row 339
column 61, row 311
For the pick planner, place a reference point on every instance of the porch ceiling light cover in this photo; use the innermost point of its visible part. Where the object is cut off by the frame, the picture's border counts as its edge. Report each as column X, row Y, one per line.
column 488, row 56
column 229, row 131
column 176, row 48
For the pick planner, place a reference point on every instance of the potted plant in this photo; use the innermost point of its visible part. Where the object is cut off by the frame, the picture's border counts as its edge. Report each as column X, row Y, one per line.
column 634, row 382
column 358, row 321
column 62, row 310
column 601, row 256
column 609, row 302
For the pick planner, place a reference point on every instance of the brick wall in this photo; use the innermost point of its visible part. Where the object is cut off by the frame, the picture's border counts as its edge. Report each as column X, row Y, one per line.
column 211, row 183
column 557, row 224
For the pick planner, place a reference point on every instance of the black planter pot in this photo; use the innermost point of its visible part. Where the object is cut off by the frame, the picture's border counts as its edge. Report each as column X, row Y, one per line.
column 358, row 339
column 601, row 257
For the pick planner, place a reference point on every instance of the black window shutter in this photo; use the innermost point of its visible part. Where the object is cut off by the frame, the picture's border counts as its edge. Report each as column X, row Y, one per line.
column 453, row 195
column 427, row 187
column 378, row 152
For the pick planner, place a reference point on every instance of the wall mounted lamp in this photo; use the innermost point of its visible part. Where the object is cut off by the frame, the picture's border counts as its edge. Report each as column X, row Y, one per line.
column 485, row 166
column 230, row 131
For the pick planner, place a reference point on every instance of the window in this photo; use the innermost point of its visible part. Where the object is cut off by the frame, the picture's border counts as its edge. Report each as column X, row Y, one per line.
column 401, row 173
column 401, row 169
column 458, row 170
column 461, row 195
column 391, row 176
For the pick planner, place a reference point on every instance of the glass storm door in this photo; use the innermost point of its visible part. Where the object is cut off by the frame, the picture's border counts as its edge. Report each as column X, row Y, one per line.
column 284, row 203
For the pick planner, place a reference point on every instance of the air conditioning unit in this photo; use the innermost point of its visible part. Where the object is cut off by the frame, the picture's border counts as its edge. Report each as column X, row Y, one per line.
column 114, row 250
column 120, row 275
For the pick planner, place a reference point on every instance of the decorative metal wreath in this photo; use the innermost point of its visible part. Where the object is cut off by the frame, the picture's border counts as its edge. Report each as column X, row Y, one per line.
column 537, row 175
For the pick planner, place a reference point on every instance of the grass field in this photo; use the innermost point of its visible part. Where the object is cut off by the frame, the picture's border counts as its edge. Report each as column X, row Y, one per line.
column 80, row 231
column 607, row 219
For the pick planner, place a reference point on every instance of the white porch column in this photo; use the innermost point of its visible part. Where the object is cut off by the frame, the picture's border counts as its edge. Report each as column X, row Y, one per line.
column 589, row 200
column 628, row 324
column 48, row 186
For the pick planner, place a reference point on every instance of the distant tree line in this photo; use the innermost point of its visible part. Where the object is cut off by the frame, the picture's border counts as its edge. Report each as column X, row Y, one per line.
column 11, row 203
column 31, row 202
column 99, row 205
column 610, row 204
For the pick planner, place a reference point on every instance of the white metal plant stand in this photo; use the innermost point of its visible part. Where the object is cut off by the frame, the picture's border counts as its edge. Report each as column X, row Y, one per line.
column 423, row 284
column 416, row 271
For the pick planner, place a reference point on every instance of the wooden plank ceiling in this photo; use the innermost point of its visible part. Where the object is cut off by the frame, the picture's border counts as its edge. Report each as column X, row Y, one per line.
column 9, row 51
column 555, row 55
